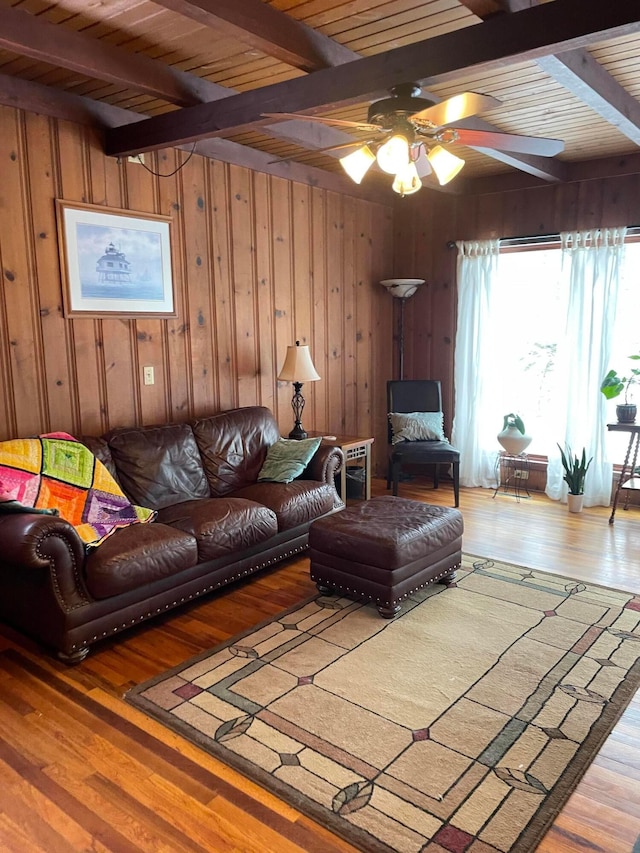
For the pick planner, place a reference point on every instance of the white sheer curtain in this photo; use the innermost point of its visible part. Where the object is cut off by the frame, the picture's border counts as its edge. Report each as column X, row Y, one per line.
column 592, row 261
column 474, row 372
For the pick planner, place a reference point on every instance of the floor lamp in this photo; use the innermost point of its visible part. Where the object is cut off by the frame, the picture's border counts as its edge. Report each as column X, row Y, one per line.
column 402, row 289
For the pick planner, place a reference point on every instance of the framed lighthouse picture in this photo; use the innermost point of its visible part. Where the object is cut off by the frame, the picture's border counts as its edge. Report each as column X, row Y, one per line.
column 114, row 263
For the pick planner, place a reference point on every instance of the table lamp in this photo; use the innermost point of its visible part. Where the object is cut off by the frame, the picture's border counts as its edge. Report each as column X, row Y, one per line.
column 298, row 368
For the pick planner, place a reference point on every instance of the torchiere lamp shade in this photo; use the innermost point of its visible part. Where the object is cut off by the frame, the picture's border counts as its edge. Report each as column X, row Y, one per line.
column 298, row 368
column 402, row 289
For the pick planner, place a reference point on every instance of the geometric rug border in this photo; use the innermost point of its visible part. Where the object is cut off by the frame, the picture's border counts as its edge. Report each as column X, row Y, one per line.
column 539, row 825
column 532, row 833
column 245, row 767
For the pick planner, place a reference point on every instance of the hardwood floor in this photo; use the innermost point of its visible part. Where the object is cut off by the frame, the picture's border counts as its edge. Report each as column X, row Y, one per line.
column 82, row 770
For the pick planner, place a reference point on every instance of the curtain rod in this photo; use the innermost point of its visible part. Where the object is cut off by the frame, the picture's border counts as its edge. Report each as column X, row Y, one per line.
column 540, row 239
column 543, row 239
column 506, row 242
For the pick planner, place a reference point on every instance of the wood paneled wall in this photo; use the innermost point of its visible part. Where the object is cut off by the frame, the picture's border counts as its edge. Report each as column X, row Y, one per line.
column 427, row 223
column 258, row 262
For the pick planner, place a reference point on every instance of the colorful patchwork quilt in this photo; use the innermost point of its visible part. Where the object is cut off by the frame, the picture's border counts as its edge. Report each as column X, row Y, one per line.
column 55, row 471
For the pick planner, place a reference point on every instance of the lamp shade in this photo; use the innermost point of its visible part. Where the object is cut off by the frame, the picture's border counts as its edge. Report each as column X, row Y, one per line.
column 407, row 181
column 298, row 366
column 402, row 288
column 445, row 164
column 358, row 163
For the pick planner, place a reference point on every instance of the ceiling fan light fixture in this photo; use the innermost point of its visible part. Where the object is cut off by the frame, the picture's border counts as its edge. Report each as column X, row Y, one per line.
column 407, row 180
column 419, row 157
column 445, row 164
column 358, row 163
column 393, row 155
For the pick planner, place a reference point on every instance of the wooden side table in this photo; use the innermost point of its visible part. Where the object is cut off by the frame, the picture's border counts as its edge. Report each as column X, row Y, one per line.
column 353, row 448
column 627, row 480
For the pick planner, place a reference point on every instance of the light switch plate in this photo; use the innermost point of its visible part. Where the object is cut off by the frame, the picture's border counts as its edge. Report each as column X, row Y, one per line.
column 148, row 375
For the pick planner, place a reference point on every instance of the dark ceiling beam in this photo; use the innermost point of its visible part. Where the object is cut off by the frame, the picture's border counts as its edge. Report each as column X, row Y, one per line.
column 43, row 100
column 497, row 43
column 260, row 161
column 27, row 35
column 485, row 9
column 578, row 72
column 267, row 29
column 40, row 40
column 587, row 170
column 581, row 75
column 271, row 30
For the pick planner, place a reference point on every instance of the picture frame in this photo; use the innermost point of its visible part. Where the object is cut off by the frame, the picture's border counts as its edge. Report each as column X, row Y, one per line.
column 114, row 262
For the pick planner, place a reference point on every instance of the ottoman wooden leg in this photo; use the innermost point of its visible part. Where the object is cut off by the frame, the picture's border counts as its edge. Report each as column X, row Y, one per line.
column 324, row 589
column 388, row 612
column 450, row 578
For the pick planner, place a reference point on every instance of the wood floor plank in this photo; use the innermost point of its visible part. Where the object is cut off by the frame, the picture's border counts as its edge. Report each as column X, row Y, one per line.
column 139, row 828
column 604, row 820
column 612, row 790
column 53, row 817
column 90, row 772
column 193, row 753
column 17, row 839
column 187, row 830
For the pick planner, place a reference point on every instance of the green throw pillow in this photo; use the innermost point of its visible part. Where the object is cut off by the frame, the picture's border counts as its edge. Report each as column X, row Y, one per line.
column 287, row 459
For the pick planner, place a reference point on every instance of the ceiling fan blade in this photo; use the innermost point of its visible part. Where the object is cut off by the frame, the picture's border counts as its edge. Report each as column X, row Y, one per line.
column 455, row 108
column 359, row 125
column 541, row 146
column 355, row 144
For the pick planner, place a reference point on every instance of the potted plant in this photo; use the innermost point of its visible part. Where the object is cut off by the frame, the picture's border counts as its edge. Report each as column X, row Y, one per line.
column 613, row 384
column 513, row 436
column 575, row 471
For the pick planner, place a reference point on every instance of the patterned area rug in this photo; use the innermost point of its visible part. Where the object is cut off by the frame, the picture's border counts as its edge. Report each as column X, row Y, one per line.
column 461, row 726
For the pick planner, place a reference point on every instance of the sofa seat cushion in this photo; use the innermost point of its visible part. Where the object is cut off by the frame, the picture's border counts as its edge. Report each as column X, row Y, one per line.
column 295, row 503
column 138, row 555
column 222, row 526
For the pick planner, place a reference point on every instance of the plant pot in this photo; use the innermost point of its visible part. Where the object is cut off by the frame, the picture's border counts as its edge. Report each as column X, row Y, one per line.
column 626, row 413
column 575, row 502
column 513, row 441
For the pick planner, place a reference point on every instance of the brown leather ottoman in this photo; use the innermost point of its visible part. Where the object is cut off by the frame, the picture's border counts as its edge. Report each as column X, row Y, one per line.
column 384, row 549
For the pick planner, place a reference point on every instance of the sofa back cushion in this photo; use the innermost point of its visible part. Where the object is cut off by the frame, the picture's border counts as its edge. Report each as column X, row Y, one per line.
column 158, row 465
column 100, row 449
column 233, row 446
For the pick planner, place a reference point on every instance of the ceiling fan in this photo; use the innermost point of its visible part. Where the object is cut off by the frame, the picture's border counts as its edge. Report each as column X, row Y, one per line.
column 410, row 137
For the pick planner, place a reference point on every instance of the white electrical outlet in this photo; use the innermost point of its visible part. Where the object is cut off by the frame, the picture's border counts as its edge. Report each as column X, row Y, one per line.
column 148, row 376
column 136, row 158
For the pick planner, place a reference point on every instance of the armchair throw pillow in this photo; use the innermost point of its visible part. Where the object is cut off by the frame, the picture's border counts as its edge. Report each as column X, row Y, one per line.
column 417, row 426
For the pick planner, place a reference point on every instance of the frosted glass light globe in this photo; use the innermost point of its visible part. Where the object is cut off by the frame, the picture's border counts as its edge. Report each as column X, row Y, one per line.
column 394, row 154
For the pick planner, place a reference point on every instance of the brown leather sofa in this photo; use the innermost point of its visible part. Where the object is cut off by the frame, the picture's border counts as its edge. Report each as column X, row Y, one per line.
column 215, row 523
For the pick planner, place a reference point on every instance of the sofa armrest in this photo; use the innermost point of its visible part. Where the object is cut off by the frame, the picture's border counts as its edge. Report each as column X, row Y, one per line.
column 327, row 461
column 46, row 543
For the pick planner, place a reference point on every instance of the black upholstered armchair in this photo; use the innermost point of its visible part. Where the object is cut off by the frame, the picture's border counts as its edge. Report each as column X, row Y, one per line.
column 419, row 395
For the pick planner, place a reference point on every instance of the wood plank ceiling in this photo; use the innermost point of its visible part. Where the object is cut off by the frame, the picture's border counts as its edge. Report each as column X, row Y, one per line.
column 202, row 72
